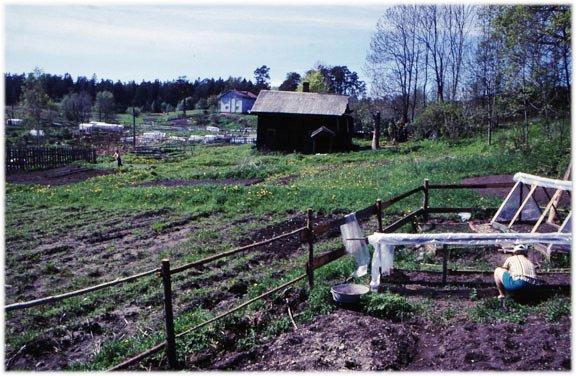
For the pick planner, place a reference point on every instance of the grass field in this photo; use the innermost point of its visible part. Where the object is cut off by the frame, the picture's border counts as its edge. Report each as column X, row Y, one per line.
column 60, row 238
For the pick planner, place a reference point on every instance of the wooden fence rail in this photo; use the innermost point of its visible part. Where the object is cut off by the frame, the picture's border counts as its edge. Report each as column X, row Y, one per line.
column 28, row 158
column 158, row 271
column 164, row 344
column 50, row 299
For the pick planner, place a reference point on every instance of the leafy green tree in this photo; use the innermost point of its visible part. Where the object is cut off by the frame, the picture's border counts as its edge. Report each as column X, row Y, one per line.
column 105, row 107
column 76, row 107
column 262, row 76
column 13, row 84
column 34, row 99
column 135, row 111
column 316, row 82
column 155, row 106
column 212, row 102
column 185, row 104
column 166, row 107
column 536, row 41
column 291, row 82
column 340, row 80
column 202, row 104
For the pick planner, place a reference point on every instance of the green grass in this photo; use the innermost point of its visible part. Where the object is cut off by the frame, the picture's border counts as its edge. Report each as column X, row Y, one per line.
column 336, row 182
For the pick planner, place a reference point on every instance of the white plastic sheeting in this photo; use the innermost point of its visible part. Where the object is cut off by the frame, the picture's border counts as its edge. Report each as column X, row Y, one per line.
column 382, row 261
column 521, row 177
column 470, row 238
column 101, row 126
column 521, row 203
column 355, row 244
column 530, row 210
column 384, row 243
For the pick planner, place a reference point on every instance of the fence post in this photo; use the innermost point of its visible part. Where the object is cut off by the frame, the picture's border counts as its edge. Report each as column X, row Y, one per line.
column 379, row 214
column 426, row 199
column 169, row 315
column 444, row 263
column 310, row 236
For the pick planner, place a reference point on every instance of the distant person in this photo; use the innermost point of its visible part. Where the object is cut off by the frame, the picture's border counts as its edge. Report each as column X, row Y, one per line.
column 517, row 274
column 118, row 158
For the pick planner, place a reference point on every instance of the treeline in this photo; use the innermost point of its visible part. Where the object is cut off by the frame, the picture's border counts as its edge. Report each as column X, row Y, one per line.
column 149, row 96
column 77, row 97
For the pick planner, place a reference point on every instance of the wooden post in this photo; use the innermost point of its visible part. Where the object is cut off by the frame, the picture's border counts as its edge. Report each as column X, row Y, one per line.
column 444, row 263
column 169, row 315
column 379, row 214
column 376, row 131
column 426, row 199
column 133, row 128
column 556, row 197
column 309, row 266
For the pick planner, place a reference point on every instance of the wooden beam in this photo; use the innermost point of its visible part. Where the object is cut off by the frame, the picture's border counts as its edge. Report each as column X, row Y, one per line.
column 508, row 197
column 558, row 193
column 401, row 222
column 328, row 257
column 471, row 186
column 519, row 211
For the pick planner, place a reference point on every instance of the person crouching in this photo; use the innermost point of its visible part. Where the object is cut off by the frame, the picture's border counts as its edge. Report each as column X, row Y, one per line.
column 517, row 274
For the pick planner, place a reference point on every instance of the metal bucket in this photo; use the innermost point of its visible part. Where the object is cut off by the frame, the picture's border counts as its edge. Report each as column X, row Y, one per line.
column 348, row 293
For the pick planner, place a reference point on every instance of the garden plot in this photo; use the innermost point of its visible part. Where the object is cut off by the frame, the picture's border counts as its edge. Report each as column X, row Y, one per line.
column 79, row 248
column 348, row 341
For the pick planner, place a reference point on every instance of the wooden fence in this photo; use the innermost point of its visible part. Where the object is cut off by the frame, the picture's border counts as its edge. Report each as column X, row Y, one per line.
column 307, row 234
column 28, row 158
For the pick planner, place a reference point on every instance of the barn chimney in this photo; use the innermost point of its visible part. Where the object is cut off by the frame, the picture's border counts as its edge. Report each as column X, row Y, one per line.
column 306, row 87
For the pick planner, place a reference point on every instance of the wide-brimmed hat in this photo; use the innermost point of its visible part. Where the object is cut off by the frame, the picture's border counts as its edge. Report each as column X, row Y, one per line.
column 520, row 248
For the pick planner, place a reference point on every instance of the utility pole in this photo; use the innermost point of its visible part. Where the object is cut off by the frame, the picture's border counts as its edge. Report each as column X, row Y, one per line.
column 133, row 129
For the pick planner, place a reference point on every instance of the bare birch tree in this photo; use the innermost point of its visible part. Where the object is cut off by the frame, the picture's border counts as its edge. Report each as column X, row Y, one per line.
column 394, row 54
column 488, row 68
column 457, row 19
column 434, row 39
column 443, row 31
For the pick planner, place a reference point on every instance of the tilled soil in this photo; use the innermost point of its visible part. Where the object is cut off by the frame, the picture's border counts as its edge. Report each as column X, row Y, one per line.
column 343, row 340
column 346, row 340
column 533, row 345
column 100, row 256
column 56, row 176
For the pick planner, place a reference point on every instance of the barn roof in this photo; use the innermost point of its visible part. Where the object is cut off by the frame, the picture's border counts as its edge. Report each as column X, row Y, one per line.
column 291, row 102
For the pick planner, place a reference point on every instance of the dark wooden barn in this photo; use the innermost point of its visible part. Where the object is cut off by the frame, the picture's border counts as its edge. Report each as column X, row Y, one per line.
column 303, row 122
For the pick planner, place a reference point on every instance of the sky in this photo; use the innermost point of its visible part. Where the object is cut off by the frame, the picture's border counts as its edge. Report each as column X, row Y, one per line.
column 137, row 41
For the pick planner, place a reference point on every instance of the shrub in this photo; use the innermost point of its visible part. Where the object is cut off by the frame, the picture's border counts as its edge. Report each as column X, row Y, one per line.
column 441, row 120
